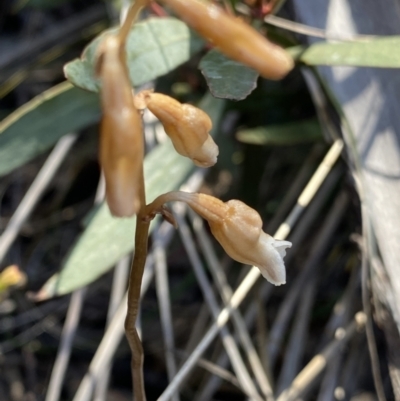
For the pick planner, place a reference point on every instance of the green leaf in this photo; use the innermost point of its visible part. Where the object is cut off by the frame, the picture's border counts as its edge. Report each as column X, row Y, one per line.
column 282, row 134
column 36, row 126
column 107, row 239
column 227, row 79
column 380, row 52
column 154, row 47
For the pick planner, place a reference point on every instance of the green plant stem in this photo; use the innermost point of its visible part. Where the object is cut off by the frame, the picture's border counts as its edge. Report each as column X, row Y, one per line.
column 135, row 282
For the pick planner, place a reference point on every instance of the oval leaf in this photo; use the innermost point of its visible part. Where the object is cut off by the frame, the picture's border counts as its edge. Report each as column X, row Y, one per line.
column 37, row 125
column 154, row 47
column 107, row 239
column 282, row 134
column 227, row 79
column 380, row 52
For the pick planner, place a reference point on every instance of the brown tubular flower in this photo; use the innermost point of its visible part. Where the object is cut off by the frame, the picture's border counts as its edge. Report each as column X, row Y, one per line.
column 238, row 228
column 121, row 139
column 186, row 125
column 234, row 38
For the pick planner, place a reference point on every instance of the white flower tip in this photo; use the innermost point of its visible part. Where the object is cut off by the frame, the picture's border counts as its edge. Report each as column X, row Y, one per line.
column 281, row 246
column 207, row 155
column 273, row 267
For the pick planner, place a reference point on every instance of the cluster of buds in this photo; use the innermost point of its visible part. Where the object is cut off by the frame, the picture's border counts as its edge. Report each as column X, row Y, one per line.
column 238, row 228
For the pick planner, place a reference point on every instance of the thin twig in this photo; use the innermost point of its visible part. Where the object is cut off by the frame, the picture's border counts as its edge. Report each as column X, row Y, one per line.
column 341, row 314
column 164, row 305
column 226, row 293
column 321, row 244
column 214, row 369
column 118, row 288
column 366, row 300
column 64, row 351
column 208, row 390
column 318, row 363
column 312, row 187
column 230, row 346
column 303, row 29
column 296, row 186
column 34, row 192
column 70, row 327
column 297, row 341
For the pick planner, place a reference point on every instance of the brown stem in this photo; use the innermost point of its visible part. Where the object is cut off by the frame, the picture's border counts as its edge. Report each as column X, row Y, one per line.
column 208, row 207
column 131, row 16
column 135, row 282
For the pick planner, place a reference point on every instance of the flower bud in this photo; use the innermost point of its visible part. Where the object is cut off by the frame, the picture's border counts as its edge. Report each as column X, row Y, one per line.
column 234, row 38
column 186, row 125
column 238, row 228
column 121, row 139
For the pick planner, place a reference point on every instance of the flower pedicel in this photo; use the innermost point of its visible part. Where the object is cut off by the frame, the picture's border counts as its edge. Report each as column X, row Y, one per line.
column 238, row 228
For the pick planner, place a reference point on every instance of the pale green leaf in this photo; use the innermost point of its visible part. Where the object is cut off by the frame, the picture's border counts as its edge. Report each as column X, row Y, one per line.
column 36, row 126
column 227, row 79
column 154, row 47
column 282, row 134
column 381, row 52
column 107, row 239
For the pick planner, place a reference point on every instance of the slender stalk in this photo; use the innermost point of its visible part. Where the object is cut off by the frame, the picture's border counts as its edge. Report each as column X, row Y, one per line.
column 130, row 18
column 135, row 282
column 208, row 207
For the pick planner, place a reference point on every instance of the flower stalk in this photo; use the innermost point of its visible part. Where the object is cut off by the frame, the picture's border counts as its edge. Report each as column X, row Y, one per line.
column 238, row 228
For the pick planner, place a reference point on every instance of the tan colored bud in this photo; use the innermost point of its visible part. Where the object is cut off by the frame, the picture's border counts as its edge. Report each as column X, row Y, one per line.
column 238, row 228
column 186, row 125
column 121, row 138
column 233, row 37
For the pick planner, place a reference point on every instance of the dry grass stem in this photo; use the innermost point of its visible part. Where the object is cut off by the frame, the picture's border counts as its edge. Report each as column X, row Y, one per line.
column 226, row 293
column 312, row 370
column 66, row 342
column 319, row 248
column 164, row 305
column 230, row 345
column 253, row 275
column 298, row 337
column 34, row 192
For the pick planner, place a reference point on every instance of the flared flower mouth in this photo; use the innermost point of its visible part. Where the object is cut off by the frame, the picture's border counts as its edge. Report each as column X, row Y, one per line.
column 270, row 256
